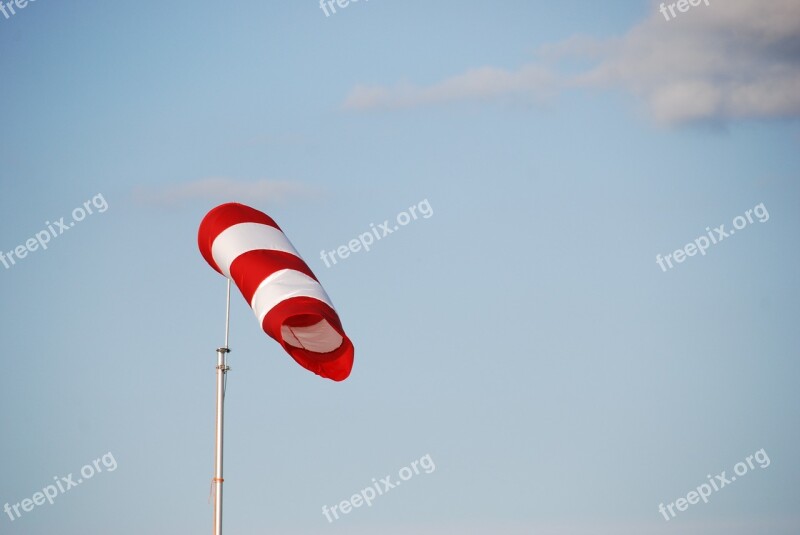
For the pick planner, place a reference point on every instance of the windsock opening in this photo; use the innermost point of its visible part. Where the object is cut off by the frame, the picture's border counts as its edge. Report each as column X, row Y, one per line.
column 313, row 333
column 315, row 340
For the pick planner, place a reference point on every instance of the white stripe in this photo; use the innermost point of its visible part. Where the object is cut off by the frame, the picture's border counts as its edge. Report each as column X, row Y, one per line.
column 320, row 338
column 238, row 239
column 283, row 285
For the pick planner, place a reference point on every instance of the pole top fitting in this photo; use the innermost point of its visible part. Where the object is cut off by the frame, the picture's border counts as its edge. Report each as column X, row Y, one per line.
column 223, row 350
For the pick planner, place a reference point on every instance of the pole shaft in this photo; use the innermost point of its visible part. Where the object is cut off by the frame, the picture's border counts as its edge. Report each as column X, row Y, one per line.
column 222, row 369
column 228, row 316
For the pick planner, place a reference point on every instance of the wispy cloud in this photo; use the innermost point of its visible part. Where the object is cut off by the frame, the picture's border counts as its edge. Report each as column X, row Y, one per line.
column 731, row 60
column 483, row 83
column 223, row 190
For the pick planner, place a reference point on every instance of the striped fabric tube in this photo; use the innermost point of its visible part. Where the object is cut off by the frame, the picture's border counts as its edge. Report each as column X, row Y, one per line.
column 248, row 247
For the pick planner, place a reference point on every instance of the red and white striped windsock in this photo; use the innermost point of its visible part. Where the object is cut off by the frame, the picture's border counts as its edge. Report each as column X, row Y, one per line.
column 248, row 247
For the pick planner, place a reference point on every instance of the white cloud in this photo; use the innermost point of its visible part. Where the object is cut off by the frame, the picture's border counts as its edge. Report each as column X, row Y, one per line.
column 735, row 59
column 224, row 190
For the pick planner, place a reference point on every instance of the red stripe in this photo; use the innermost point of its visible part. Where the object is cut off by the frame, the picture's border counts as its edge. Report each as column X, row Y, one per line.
column 250, row 269
column 223, row 217
column 335, row 365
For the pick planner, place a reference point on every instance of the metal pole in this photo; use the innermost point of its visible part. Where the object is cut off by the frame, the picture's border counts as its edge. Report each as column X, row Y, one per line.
column 222, row 370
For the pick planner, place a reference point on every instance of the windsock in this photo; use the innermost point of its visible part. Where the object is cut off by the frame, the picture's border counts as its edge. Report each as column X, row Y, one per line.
column 249, row 248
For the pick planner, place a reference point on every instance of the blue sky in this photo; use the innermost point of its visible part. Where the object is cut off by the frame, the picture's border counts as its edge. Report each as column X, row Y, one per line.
column 523, row 335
